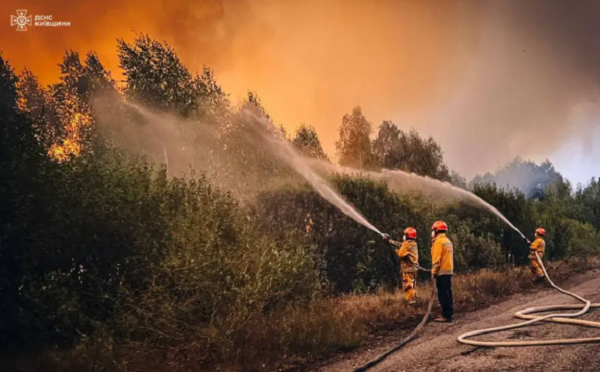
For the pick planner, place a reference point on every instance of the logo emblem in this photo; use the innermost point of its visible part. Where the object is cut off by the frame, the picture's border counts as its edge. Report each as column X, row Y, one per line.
column 21, row 20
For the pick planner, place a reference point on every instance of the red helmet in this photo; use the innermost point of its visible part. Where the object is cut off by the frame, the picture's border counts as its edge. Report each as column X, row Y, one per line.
column 439, row 226
column 410, row 233
column 540, row 231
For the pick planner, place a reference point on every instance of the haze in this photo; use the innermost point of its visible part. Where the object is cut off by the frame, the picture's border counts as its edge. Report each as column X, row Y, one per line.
column 490, row 80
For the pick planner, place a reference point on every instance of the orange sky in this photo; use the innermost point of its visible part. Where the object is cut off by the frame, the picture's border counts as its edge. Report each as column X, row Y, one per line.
column 484, row 78
column 309, row 61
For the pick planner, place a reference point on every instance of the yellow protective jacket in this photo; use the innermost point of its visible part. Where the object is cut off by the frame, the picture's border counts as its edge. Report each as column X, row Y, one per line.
column 539, row 246
column 442, row 259
column 409, row 256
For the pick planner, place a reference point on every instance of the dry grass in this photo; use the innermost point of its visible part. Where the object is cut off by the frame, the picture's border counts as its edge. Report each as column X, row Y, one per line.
column 301, row 335
column 372, row 314
column 345, row 323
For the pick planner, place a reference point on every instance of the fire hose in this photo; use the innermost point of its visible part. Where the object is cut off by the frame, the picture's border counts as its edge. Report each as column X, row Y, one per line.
column 523, row 314
column 556, row 317
column 408, row 338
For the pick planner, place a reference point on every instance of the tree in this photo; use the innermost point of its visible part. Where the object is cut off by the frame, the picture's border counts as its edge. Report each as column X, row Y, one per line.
column 587, row 201
column 513, row 205
column 387, row 147
column 395, row 149
column 457, row 180
column 354, row 145
column 36, row 102
column 253, row 99
column 72, row 109
column 20, row 149
column 32, row 96
column 214, row 100
column 8, row 89
column 24, row 184
column 246, row 162
column 307, row 142
column 157, row 78
column 96, row 79
column 254, row 103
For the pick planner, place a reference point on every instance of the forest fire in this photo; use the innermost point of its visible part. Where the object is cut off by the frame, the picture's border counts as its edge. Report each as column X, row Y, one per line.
column 71, row 145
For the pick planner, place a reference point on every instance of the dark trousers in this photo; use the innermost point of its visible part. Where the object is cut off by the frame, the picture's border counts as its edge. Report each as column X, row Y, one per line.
column 444, row 288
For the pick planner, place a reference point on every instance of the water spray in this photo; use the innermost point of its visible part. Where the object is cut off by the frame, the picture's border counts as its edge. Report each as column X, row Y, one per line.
column 299, row 164
column 462, row 193
column 405, row 180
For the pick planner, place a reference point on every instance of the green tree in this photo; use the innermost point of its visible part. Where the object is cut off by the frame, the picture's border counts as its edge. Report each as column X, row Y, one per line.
column 395, row 149
column 214, row 101
column 96, row 79
column 245, row 160
column 72, row 109
column 253, row 99
column 587, row 203
column 157, row 78
column 513, row 205
column 25, row 187
column 36, row 102
column 307, row 142
column 387, row 147
column 354, row 146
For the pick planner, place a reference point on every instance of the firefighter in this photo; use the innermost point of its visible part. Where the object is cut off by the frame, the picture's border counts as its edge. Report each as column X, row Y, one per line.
column 442, row 268
column 539, row 246
column 409, row 261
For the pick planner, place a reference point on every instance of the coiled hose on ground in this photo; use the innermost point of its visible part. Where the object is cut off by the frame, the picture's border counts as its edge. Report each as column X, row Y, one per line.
column 523, row 314
column 557, row 318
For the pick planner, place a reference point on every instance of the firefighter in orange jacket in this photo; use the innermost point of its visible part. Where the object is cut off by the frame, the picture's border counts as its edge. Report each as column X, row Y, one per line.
column 539, row 246
column 409, row 261
column 442, row 268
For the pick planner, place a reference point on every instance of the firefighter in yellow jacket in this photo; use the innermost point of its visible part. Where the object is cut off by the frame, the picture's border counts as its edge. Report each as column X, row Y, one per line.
column 539, row 246
column 442, row 268
column 409, row 261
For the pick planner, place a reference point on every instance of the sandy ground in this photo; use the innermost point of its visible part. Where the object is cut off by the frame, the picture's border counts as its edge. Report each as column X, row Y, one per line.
column 437, row 349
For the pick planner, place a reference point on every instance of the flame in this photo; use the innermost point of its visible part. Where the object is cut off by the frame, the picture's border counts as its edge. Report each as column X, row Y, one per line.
column 72, row 144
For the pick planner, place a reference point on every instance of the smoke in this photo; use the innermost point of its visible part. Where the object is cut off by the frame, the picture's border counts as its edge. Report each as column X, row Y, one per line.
column 490, row 80
column 530, row 84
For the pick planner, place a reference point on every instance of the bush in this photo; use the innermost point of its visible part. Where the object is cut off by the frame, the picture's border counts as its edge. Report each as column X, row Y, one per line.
column 129, row 247
column 355, row 258
column 474, row 252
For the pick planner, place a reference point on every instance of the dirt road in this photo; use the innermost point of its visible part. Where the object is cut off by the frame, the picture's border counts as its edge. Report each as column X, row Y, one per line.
column 437, row 349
